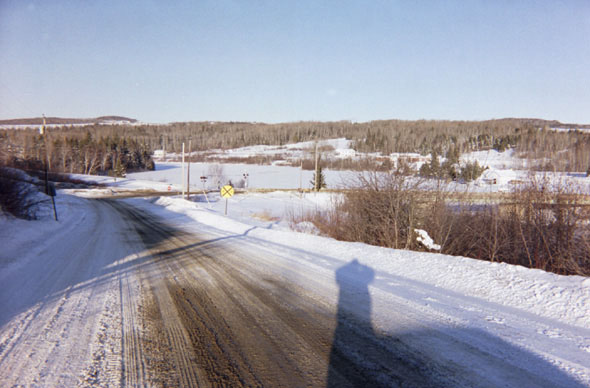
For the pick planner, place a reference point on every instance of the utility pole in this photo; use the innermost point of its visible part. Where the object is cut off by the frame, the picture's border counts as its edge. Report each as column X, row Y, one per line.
column 317, row 176
column 42, row 132
column 49, row 189
column 183, row 177
column 188, row 174
column 42, row 128
column 301, row 180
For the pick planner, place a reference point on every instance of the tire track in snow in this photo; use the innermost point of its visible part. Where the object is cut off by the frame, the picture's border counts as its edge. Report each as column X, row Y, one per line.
column 105, row 368
column 135, row 371
column 132, row 365
column 246, row 337
column 182, row 351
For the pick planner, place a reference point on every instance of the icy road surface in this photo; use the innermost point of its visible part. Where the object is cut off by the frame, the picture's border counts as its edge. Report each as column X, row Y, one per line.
column 121, row 298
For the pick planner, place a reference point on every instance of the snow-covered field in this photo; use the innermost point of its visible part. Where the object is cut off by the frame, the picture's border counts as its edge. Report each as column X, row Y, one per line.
column 259, row 177
column 505, row 171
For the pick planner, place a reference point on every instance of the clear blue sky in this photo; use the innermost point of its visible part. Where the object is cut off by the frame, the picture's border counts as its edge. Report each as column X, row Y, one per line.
column 273, row 61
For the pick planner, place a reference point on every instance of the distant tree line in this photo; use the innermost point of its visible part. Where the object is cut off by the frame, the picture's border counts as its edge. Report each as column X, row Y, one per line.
column 77, row 150
column 451, row 168
column 97, row 148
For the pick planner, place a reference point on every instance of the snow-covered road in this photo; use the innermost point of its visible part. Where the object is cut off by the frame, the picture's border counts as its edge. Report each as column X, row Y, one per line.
column 61, row 313
column 127, row 294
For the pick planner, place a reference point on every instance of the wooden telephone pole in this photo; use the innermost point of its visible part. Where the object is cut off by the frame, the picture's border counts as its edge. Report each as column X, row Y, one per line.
column 188, row 174
column 49, row 189
column 183, row 177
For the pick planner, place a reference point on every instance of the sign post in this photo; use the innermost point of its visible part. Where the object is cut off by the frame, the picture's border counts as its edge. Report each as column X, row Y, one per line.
column 52, row 193
column 227, row 191
column 204, row 181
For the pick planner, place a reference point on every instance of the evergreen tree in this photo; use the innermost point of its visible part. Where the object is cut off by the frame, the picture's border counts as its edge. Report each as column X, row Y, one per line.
column 471, row 171
column 120, row 170
column 320, row 182
column 453, row 155
column 434, row 165
column 425, row 170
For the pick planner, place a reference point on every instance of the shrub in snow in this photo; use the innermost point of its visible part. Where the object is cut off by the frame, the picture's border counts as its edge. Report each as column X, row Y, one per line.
column 18, row 194
column 306, row 227
column 382, row 209
column 240, row 184
column 471, row 171
column 542, row 224
column 216, row 175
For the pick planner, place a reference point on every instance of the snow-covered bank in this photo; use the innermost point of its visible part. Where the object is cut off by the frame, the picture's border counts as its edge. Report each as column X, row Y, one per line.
column 34, row 234
column 545, row 314
column 565, row 299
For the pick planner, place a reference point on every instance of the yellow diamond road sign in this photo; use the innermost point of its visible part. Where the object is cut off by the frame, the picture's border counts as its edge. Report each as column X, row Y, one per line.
column 227, row 191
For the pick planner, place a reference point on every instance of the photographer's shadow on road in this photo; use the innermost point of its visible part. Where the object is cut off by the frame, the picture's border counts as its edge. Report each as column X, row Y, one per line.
column 361, row 356
column 353, row 326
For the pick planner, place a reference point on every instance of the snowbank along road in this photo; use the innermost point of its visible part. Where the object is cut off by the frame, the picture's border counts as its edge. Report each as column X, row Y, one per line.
column 124, row 299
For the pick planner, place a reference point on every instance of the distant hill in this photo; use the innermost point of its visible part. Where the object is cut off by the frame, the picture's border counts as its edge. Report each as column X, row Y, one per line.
column 35, row 121
column 540, row 123
column 68, row 121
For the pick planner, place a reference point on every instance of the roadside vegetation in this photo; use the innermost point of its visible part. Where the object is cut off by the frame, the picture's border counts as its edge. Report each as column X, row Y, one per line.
column 23, row 195
column 19, row 195
column 542, row 224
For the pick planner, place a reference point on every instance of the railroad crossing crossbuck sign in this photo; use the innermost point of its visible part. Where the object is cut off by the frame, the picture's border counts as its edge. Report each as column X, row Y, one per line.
column 227, row 191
